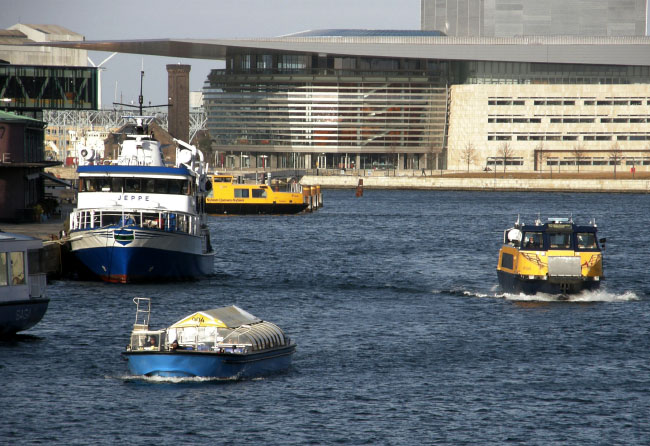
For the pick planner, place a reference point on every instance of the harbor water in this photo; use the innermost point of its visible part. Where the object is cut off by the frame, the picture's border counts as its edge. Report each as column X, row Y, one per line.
column 403, row 336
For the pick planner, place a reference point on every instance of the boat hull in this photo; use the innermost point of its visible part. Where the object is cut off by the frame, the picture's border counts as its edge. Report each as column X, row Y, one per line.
column 515, row 283
column 147, row 256
column 209, row 364
column 254, row 208
column 20, row 315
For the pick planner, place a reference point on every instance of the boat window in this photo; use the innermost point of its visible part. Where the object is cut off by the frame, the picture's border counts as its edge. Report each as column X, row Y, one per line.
column 3, row 269
column 148, row 185
column 533, row 240
column 259, row 193
column 559, row 240
column 507, row 261
column 175, row 186
column 185, row 187
column 117, row 184
column 586, row 240
column 17, row 268
column 132, row 185
column 241, row 193
column 104, row 184
column 87, row 185
column 160, row 186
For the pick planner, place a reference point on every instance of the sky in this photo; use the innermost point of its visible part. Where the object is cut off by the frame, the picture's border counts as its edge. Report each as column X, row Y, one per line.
column 194, row 19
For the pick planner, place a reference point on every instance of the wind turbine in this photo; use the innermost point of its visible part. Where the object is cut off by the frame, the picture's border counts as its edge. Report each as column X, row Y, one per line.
column 99, row 77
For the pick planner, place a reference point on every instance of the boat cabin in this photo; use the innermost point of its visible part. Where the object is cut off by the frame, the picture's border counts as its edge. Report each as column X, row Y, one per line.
column 556, row 234
column 20, row 277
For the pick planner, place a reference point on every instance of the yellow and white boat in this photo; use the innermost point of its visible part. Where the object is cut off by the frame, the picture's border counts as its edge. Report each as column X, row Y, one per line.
column 556, row 257
column 228, row 197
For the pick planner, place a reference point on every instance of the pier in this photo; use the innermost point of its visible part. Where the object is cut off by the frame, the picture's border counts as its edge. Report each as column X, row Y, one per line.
column 54, row 249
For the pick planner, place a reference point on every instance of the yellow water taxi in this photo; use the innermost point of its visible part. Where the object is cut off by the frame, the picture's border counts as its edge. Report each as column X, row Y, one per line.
column 228, row 197
column 556, row 257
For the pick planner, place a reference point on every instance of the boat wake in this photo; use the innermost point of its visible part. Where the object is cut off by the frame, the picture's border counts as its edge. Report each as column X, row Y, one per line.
column 584, row 296
column 600, row 295
column 177, row 380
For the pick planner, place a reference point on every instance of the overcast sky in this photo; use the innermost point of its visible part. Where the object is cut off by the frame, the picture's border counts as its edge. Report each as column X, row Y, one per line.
column 214, row 19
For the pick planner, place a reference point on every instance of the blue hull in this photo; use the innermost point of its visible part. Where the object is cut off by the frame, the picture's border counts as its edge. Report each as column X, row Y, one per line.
column 21, row 315
column 204, row 364
column 139, row 264
column 511, row 283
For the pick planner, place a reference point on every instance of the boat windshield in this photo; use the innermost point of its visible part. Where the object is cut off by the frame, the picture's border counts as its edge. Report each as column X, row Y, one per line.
column 533, row 240
column 559, row 240
column 586, row 240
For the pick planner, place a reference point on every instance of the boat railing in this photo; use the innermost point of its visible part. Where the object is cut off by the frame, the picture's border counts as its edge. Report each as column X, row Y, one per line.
column 142, row 313
column 165, row 220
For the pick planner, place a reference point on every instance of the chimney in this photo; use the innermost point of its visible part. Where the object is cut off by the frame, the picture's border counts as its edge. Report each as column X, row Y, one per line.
column 178, row 87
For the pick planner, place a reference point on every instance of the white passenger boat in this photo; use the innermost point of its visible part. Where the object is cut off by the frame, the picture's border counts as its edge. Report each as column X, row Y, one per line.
column 140, row 220
column 22, row 287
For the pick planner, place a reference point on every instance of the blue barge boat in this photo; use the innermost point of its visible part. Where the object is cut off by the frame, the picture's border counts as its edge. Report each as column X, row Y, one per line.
column 227, row 343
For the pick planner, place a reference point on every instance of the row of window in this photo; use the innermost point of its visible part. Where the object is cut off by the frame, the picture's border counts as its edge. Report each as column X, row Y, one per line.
column 586, row 161
column 571, row 102
column 573, row 120
column 246, row 193
column 550, row 137
column 136, row 185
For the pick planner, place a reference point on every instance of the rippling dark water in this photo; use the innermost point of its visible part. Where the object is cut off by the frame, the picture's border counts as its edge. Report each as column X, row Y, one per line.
column 403, row 336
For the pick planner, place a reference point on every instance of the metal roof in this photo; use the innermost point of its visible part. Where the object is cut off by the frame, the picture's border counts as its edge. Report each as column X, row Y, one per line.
column 365, row 33
column 556, row 49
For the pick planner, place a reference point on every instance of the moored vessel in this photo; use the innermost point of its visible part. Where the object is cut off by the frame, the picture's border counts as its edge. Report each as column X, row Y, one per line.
column 555, row 257
column 225, row 342
column 138, row 219
column 23, row 302
column 228, row 197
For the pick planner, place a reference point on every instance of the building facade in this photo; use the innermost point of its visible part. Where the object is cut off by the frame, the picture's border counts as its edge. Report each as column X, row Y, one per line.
column 22, row 159
column 507, row 18
column 364, row 99
column 298, row 111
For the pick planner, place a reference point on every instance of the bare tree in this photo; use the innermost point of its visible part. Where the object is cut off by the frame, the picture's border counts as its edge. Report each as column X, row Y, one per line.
column 505, row 152
column 468, row 155
column 615, row 155
column 578, row 154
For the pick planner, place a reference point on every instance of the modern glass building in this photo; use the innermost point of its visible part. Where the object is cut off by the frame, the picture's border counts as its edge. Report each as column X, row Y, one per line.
column 287, row 110
column 508, row 18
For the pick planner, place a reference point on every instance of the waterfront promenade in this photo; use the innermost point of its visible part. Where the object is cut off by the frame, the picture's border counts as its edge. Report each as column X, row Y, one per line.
column 625, row 182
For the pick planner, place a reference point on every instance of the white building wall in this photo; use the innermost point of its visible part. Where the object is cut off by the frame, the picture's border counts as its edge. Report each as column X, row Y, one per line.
column 593, row 117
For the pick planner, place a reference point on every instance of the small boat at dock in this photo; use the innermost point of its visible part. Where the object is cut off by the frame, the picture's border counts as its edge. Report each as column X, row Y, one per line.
column 22, row 286
column 555, row 257
column 228, row 197
column 227, row 343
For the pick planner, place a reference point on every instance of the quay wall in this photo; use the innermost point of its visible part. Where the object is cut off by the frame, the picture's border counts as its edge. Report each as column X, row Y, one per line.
column 480, row 184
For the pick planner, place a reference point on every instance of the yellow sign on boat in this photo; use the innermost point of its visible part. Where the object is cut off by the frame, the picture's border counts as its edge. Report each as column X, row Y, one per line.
column 199, row 319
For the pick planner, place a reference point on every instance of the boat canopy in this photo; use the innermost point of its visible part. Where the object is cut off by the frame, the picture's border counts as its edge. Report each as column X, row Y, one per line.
column 225, row 317
column 211, row 329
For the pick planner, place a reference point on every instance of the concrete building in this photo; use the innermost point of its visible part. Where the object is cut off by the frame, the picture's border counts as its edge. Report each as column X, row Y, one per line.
column 395, row 99
column 508, row 18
